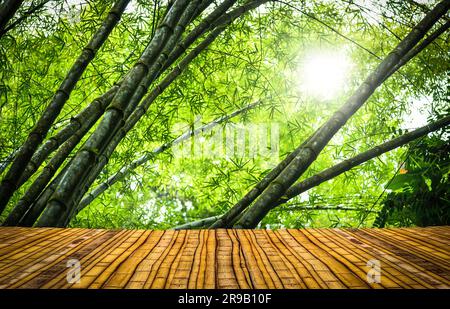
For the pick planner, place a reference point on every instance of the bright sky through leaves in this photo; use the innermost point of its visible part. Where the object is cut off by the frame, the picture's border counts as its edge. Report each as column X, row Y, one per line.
column 323, row 73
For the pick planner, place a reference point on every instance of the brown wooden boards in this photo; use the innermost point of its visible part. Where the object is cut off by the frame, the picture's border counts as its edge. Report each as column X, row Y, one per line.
column 246, row 259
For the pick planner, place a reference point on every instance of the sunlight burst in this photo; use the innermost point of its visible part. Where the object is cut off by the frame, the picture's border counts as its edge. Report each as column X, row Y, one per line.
column 323, row 74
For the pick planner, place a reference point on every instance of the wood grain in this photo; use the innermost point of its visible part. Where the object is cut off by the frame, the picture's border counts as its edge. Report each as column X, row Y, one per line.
column 239, row 259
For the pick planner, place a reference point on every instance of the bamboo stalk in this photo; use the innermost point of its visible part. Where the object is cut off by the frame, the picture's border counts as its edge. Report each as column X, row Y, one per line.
column 197, row 224
column 18, row 21
column 111, row 121
column 7, row 10
column 421, row 46
column 359, row 159
column 311, row 150
column 11, row 179
column 190, row 13
column 175, row 49
column 52, row 167
column 38, row 206
column 91, row 111
column 322, row 207
column 348, row 164
column 89, row 115
column 220, row 25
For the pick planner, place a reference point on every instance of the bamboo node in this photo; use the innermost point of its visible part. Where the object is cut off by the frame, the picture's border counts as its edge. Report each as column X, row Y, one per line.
column 144, row 64
column 115, row 14
column 90, row 50
column 76, row 121
column 64, row 92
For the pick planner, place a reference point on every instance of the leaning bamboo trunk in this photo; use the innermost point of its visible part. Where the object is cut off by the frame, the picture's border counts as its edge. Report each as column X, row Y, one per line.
column 421, row 46
column 197, row 224
column 52, row 167
column 7, row 10
column 318, row 141
column 112, row 120
column 359, row 159
column 14, row 174
column 33, row 10
column 38, row 205
column 92, row 112
column 220, row 24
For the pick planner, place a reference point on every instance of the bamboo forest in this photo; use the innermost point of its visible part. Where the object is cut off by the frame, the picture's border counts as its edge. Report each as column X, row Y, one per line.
column 239, row 114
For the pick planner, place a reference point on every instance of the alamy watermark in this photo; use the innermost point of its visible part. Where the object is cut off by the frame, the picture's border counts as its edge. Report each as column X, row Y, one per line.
column 243, row 141
column 374, row 273
column 74, row 271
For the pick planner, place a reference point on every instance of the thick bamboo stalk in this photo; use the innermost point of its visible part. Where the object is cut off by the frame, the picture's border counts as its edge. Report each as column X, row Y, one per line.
column 311, row 150
column 55, row 163
column 126, row 170
column 89, row 115
column 190, row 13
column 10, row 181
column 7, row 10
column 111, row 121
column 91, row 111
column 421, row 46
column 19, row 20
column 205, row 24
column 359, row 159
column 174, row 49
column 220, row 25
column 38, row 206
column 322, row 207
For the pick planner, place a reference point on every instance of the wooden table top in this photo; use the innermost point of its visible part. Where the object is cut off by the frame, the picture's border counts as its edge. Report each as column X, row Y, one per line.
column 306, row 258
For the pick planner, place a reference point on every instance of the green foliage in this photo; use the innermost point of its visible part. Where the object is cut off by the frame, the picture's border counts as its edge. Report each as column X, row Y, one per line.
column 420, row 196
column 257, row 57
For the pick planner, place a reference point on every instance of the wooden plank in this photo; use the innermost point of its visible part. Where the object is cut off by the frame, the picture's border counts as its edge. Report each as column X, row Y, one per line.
column 309, row 258
column 43, row 258
column 403, row 259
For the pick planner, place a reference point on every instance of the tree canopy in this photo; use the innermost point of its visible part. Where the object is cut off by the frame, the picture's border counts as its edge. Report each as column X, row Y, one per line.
column 217, row 118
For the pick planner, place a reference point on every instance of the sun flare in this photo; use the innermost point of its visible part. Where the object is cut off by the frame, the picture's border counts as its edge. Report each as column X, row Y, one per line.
column 323, row 74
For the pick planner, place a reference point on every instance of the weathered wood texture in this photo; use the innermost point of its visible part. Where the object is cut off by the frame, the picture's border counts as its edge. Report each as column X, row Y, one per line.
column 309, row 258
